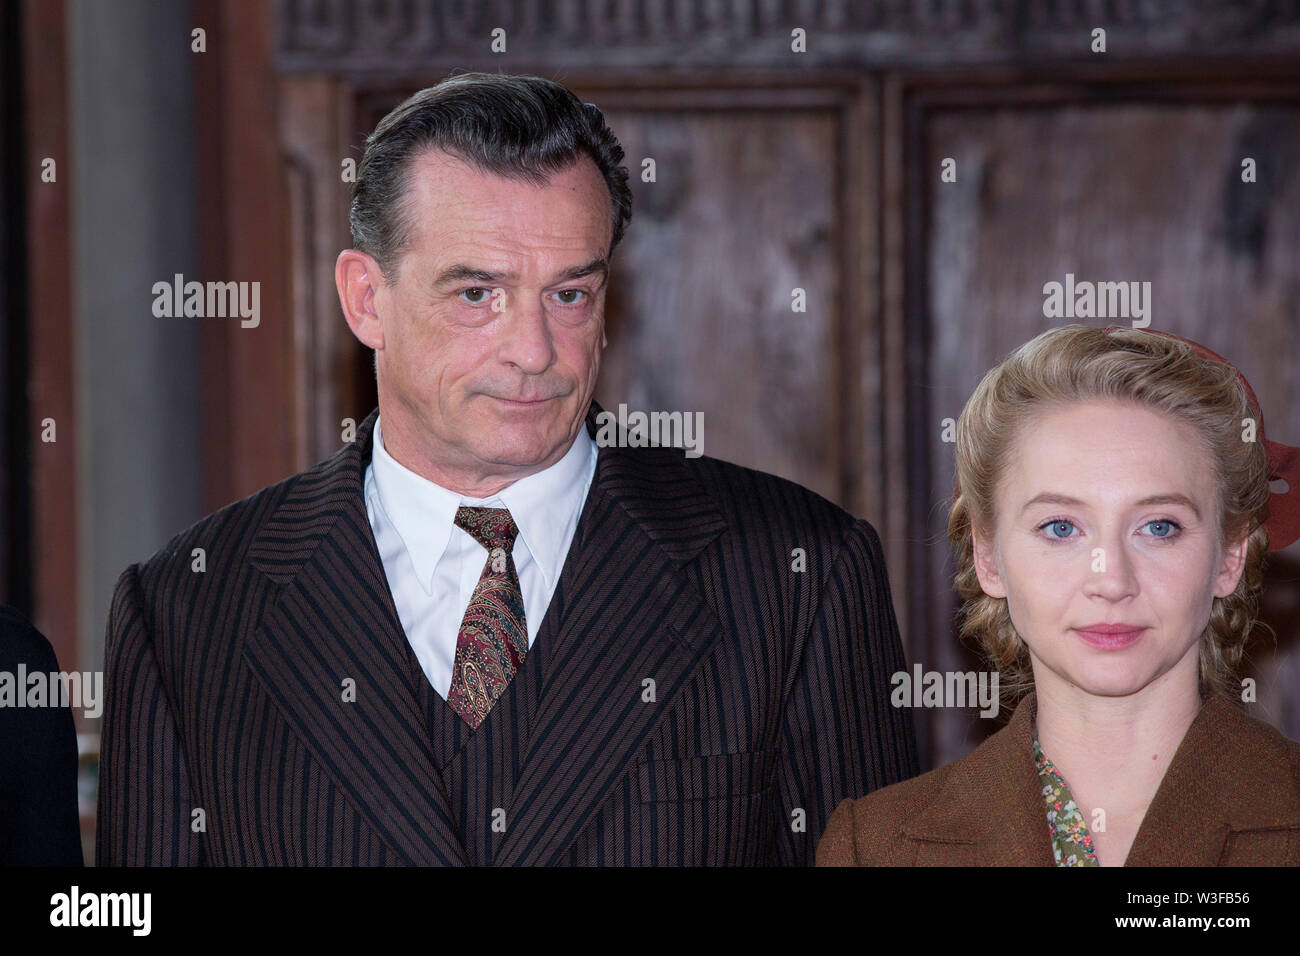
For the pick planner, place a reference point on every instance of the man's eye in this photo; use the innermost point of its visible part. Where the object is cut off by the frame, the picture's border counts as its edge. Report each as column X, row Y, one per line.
column 476, row 296
column 570, row 296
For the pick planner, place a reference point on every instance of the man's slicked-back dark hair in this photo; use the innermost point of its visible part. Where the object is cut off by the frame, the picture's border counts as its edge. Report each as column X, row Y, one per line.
column 518, row 127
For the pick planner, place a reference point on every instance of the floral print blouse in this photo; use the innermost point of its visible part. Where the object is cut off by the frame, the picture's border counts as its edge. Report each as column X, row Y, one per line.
column 1071, row 841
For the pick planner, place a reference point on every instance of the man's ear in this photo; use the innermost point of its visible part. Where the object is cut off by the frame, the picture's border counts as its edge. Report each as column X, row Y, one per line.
column 1231, row 567
column 358, row 279
column 986, row 565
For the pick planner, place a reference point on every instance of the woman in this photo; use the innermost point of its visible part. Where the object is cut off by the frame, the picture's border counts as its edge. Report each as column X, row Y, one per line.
column 1110, row 524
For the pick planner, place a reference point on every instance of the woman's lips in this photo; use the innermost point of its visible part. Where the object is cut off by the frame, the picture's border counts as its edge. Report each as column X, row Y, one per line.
column 1110, row 637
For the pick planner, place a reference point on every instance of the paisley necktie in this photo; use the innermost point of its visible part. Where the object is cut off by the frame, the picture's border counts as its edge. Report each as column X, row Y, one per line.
column 493, row 638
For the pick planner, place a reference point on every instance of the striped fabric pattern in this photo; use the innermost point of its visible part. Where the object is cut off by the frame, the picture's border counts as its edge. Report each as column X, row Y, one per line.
column 698, row 698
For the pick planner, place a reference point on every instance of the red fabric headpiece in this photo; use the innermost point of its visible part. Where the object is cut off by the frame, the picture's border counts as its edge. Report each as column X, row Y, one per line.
column 1283, row 522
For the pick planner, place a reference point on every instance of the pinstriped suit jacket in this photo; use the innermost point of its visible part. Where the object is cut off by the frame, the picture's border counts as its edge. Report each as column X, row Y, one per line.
column 226, row 738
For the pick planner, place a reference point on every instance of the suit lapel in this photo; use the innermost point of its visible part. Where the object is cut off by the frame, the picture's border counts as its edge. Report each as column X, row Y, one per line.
column 333, row 622
column 624, row 615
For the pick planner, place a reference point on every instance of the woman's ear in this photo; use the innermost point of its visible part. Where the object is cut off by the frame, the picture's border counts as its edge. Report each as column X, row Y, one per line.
column 986, row 564
column 1232, row 566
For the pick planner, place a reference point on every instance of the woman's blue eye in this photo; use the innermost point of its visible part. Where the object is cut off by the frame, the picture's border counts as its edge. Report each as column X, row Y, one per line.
column 1167, row 528
column 1059, row 524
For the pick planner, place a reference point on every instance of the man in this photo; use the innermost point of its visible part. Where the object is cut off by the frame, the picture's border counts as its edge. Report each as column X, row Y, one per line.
column 472, row 636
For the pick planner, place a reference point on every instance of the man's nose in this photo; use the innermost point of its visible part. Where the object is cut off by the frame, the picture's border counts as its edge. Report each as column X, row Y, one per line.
column 526, row 335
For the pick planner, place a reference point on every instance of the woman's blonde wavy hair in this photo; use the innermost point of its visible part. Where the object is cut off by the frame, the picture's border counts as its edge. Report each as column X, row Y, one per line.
column 1076, row 363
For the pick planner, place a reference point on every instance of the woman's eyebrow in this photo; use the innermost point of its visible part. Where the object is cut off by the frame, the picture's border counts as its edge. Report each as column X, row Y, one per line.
column 1169, row 498
column 1051, row 498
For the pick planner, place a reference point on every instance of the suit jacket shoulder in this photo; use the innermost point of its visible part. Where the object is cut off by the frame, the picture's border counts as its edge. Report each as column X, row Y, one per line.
column 778, row 516
column 756, row 502
column 230, row 529
column 869, row 831
column 747, row 493
column 191, row 578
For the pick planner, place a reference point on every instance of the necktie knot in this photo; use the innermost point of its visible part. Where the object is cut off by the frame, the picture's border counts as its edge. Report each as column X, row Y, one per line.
column 491, row 527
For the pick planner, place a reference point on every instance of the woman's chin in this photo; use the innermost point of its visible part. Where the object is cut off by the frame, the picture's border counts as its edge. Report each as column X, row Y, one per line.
column 1110, row 678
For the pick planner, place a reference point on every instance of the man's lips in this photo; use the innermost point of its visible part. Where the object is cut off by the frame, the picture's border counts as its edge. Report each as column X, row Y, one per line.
column 524, row 402
column 1110, row 636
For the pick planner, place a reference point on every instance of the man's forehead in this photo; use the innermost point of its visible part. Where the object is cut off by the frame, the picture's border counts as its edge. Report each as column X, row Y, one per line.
column 432, row 165
column 435, row 171
column 467, row 225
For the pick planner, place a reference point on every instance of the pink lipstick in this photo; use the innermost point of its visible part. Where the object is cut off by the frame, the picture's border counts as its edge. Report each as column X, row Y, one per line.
column 1109, row 637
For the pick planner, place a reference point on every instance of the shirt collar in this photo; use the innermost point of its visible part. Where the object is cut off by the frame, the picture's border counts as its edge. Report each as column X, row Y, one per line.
column 545, row 506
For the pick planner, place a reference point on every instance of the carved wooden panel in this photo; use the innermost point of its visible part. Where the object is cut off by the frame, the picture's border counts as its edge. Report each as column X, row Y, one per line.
column 412, row 36
column 317, row 130
column 701, row 316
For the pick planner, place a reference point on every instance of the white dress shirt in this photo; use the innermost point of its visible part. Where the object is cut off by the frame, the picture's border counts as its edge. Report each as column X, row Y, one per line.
column 432, row 565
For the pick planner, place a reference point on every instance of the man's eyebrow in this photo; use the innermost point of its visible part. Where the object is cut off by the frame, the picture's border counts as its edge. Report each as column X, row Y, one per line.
column 1172, row 498
column 597, row 266
column 465, row 273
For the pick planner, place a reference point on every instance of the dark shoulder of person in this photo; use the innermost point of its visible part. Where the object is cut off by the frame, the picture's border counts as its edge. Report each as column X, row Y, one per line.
column 38, row 757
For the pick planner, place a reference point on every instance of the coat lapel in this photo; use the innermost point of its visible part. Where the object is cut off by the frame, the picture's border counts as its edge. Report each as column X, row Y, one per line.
column 625, row 615
column 1229, row 779
column 334, row 621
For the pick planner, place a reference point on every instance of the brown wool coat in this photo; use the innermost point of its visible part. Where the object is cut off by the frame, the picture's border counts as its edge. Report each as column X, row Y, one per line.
column 1231, row 797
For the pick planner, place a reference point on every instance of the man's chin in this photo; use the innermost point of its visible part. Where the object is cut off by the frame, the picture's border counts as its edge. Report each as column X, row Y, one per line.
column 522, row 435
column 522, row 451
